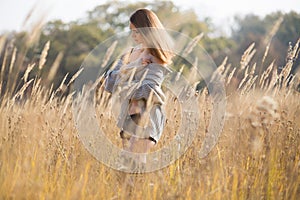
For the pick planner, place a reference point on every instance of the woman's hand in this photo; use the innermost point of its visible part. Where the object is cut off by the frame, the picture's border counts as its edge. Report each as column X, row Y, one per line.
column 135, row 106
column 147, row 59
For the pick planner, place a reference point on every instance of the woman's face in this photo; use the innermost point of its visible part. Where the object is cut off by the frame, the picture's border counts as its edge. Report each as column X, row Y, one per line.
column 135, row 34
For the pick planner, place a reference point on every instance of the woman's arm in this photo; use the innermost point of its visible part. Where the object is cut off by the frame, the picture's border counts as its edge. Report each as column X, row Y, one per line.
column 151, row 83
column 111, row 77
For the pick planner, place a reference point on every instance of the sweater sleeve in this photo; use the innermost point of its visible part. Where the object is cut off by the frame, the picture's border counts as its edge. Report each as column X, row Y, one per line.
column 111, row 77
column 151, row 83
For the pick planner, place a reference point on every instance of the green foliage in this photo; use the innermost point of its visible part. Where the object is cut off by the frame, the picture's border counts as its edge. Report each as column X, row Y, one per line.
column 263, row 32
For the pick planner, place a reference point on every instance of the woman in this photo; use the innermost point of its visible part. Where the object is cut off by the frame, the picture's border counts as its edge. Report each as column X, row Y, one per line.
column 137, row 79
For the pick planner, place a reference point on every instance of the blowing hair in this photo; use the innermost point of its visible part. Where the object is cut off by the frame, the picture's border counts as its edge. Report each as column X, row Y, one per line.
column 156, row 37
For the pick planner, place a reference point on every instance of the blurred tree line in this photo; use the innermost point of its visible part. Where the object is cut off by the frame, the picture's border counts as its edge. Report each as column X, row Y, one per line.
column 72, row 42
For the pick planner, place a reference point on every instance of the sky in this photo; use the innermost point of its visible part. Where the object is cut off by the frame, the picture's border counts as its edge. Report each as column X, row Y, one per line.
column 14, row 12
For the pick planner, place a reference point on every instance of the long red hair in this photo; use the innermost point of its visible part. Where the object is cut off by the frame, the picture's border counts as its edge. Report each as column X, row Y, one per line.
column 156, row 37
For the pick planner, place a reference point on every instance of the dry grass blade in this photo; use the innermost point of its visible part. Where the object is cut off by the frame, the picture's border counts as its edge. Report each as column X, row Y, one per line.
column 217, row 76
column 12, row 61
column 285, row 73
column 230, row 76
column 97, row 82
column 178, row 75
column 275, row 28
column 35, row 33
column 247, row 56
column 192, row 45
column 297, row 48
column 292, row 83
column 273, row 80
column 28, row 16
column 138, row 84
column 50, row 90
column 20, row 93
column 248, row 85
column 11, row 81
column 102, row 98
column 131, row 75
column 3, row 64
column 115, row 63
column 293, row 52
column 61, row 86
column 108, row 54
column 265, row 54
column 149, row 101
column 44, row 54
column 244, row 79
column 67, row 104
column 221, row 68
column 75, row 76
column 28, row 70
column 193, row 73
column 2, row 43
column 289, row 87
column 252, row 72
column 270, row 35
column 36, row 86
column 266, row 74
column 227, row 68
column 55, row 66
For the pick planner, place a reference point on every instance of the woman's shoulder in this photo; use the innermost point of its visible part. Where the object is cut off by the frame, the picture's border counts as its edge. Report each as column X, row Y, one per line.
column 159, row 67
column 156, row 61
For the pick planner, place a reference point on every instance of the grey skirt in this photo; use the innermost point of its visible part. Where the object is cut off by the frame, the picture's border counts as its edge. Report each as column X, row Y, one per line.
column 146, row 125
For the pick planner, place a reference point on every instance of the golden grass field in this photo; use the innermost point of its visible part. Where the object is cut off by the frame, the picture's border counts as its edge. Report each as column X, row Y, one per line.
column 257, row 156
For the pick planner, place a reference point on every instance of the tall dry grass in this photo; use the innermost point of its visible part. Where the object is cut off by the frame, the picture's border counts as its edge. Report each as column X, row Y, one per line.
column 257, row 156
